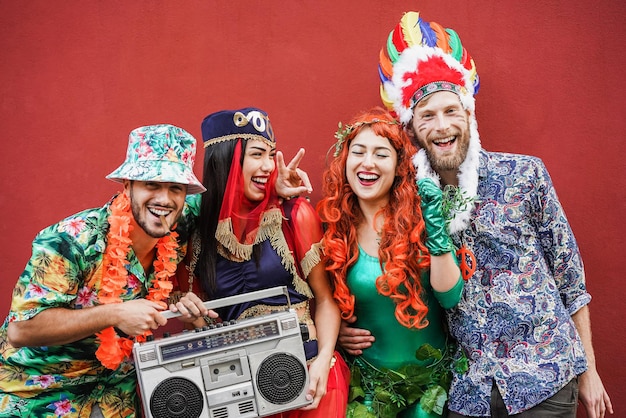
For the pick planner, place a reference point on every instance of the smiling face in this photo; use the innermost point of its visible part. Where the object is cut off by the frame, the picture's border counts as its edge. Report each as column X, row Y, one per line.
column 150, row 199
column 258, row 164
column 371, row 167
column 440, row 126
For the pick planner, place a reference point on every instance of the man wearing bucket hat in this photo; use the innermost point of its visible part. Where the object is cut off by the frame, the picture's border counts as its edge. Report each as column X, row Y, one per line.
column 95, row 280
column 523, row 321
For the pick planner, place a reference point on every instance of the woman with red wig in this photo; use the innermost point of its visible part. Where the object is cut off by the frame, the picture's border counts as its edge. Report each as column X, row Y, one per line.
column 394, row 269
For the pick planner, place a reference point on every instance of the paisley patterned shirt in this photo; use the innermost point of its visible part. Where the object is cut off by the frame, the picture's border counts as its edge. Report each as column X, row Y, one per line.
column 65, row 271
column 514, row 319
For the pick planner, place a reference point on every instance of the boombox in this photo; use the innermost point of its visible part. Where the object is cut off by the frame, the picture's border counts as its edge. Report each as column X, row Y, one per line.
column 248, row 368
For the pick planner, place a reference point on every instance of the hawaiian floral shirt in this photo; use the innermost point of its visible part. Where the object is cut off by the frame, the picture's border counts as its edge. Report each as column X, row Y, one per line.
column 514, row 319
column 65, row 381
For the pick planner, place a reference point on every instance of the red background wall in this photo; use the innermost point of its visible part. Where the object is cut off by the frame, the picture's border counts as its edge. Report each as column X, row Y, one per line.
column 78, row 76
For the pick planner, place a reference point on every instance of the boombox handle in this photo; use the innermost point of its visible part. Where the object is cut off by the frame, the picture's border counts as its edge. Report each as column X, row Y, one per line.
column 233, row 300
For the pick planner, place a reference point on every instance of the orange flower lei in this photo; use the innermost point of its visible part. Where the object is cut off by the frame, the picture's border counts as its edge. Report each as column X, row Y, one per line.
column 114, row 349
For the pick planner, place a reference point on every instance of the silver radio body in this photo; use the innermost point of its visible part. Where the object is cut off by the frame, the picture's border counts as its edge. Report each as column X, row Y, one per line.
column 249, row 368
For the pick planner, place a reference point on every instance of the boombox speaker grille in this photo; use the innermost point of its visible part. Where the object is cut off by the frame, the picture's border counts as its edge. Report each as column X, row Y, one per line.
column 176, row 397
column 281, row 378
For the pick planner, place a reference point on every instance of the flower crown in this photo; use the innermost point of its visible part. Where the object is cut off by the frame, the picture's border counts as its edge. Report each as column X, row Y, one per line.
column 344, row 131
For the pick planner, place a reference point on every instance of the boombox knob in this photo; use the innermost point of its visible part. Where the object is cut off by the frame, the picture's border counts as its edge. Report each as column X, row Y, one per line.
column 150, row 337
column 166, row 335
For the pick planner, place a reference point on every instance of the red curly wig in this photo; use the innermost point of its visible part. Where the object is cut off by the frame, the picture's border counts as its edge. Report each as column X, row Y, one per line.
column 402, row 253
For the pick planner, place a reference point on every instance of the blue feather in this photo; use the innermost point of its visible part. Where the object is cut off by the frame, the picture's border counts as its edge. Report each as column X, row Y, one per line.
column 429, row 37
column 381, row 75
column 476, row 84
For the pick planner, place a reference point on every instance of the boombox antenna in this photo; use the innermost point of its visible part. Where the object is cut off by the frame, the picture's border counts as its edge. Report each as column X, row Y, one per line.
column 236, row 299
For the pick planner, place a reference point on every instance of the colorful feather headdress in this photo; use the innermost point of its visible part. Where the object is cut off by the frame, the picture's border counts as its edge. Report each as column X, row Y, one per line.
column 421, row 58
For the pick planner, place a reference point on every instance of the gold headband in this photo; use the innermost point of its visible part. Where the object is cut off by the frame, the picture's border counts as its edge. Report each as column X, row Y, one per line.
column 238, row 136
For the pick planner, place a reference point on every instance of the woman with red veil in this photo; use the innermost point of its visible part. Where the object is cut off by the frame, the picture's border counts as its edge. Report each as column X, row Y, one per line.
column 247, row 239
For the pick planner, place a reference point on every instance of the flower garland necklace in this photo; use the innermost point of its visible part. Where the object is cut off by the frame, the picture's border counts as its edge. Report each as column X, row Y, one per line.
column 113, row 349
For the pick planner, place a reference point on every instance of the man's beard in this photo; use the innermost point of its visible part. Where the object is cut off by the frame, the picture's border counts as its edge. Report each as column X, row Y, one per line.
column 449, row 163
column 142, row 222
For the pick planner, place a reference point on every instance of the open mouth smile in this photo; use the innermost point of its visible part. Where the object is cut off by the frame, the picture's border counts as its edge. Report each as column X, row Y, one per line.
column 159, row 212
column 445, row 142
column 260, row 180
column 367, row 178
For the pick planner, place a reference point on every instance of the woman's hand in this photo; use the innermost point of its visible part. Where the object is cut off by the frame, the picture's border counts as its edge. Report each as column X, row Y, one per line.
column 291, row 180
column 318, row 380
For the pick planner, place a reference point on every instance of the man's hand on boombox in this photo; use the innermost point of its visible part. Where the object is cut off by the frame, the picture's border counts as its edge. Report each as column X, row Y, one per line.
column 192, row 310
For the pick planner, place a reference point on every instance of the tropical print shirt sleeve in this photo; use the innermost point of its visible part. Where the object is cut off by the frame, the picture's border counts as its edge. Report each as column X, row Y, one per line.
column 62, row 256
column 65, row 381
column 514, row 319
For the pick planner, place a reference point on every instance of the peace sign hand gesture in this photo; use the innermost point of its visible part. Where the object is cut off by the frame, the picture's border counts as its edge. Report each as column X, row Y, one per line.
column 291, row 181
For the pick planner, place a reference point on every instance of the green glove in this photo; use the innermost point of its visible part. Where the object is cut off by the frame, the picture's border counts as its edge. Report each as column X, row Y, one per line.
column 438, row 241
